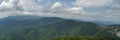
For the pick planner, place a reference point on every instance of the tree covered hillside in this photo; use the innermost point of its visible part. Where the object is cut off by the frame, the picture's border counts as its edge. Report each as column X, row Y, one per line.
column 46, row 28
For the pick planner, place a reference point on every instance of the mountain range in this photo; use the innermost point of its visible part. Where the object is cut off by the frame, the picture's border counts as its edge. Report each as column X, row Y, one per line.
column 43, row 28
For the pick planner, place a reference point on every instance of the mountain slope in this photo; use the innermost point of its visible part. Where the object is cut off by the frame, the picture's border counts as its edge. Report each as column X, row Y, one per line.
column 42, row 28
column 14, row 22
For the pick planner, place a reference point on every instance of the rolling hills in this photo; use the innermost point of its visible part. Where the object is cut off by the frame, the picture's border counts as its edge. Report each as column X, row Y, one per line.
column 41, row 28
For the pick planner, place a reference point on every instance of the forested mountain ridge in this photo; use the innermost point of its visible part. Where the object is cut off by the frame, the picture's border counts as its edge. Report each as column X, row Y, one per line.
column 37, row 28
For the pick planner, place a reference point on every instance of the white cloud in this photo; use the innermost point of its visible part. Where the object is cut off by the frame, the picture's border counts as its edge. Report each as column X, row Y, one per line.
column 56, row 5
column 113, row 13
column 78, row 10
column 18, row 7
column 59, row 9
column 26, row 5
column 5, row 4
column 93, row 3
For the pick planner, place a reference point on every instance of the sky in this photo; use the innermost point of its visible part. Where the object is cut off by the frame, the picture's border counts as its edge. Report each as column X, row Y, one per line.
column 87, row 10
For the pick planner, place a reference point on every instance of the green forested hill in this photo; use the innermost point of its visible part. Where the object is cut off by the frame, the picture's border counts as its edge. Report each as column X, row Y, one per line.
column 82, row 38
column 45, row 28
column 15, row 22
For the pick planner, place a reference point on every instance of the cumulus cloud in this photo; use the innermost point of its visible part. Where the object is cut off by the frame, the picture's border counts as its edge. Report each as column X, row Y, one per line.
column 93, row 3
column 78, row 10
column 58, row 9
column 20, row 4
column 5, row 5
column 56, row 5
column 18, row 7
column 28, row 5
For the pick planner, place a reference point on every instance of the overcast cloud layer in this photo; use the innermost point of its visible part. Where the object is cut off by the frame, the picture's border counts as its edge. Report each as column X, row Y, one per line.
column 88, row 10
